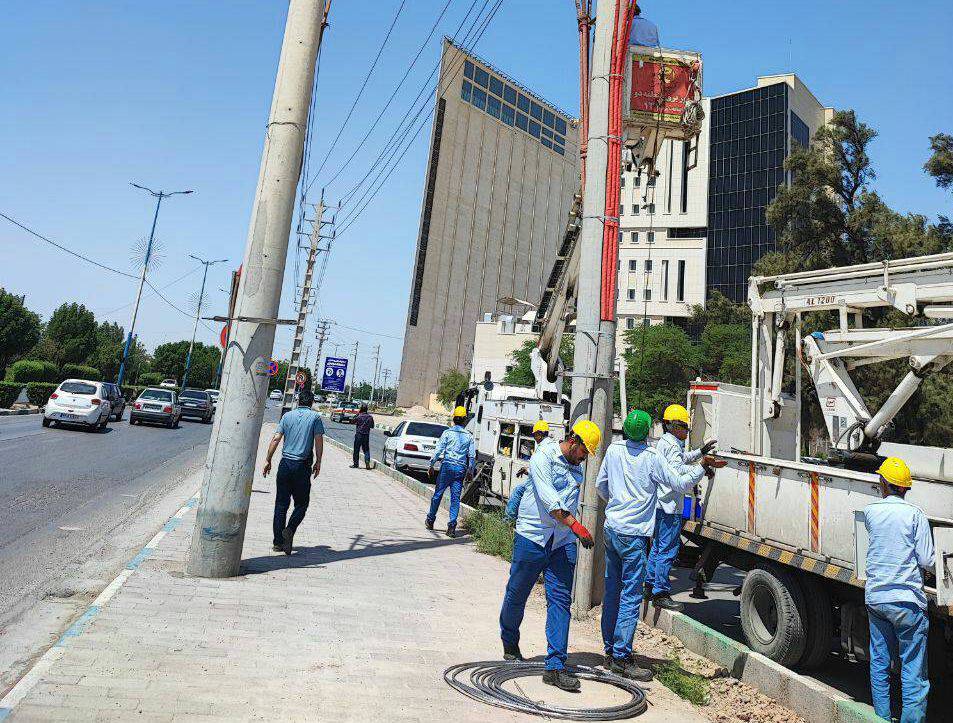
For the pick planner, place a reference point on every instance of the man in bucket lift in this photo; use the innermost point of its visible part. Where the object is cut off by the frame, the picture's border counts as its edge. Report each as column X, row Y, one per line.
column 644, row 31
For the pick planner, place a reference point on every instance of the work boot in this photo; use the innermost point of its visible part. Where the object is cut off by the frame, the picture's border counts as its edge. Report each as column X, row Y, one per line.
column 665, row 601
column 562, row 680
column 647, row 591
column 277, row 548
column 368, row 465
column 354, row 466
column 429, row 524
column 627, row 668
column 512, row 652
column 288, row 536
column 452, row 530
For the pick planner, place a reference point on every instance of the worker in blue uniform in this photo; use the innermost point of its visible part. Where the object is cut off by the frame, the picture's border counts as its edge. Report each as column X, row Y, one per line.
column 668, row 517
column 628, row 480
column 900, row 544
column 545, row 543
column 540, row 432
column 456, row 451
column 644, row 32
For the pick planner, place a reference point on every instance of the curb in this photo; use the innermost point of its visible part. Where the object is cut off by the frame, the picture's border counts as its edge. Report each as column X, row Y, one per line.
column 17, row 412
column 809, row 699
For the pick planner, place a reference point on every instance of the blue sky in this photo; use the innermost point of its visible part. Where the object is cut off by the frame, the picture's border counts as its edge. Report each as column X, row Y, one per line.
column 175, row 95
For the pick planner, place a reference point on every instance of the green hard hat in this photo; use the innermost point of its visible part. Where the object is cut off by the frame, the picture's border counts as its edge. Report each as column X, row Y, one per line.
column 637, row 425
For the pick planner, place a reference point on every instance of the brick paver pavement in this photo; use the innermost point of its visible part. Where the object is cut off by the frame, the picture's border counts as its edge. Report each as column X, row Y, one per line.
column 357, row 625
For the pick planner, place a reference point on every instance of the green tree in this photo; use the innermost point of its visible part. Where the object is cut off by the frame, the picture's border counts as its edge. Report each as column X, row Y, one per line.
column 661, row 362
column 19, row 328
column 940, row 163
column 69, row 336
column 521, row 372
column 719, row 309
column 451, row 383
column 278, row 381
column 726, row 353
column 169, row 361
column 108, row 352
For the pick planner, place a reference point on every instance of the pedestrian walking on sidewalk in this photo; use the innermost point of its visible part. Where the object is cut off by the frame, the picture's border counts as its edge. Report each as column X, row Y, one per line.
column 628, row 480
column 900, row 544
column 302, row 431
column 456, row 449
column 363, row 424
column 545, row 543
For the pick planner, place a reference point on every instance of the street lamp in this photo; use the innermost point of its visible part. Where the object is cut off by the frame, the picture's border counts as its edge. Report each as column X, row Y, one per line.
column 159, row 195
column 198, row 313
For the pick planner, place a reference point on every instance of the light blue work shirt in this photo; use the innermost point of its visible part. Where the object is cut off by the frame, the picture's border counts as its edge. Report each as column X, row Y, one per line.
column 900, row 543
column 628, row 480
column 513, row 503
column 553, row 485
column 455, row 447
column 299, row 427
column 673, row 449
column 644, row 32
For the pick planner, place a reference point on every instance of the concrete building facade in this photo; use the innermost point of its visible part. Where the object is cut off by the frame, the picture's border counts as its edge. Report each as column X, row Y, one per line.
column 495, row 340
column 503, row 169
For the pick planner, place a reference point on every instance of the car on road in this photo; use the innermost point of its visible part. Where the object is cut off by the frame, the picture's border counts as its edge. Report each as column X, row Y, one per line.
column 169, row 383
column 345, row 413
column 197, row 404
column 78, row 401
column 410, row 445
column 276, row 395
column 158, row 406
column 117, row 401
column 213, row 393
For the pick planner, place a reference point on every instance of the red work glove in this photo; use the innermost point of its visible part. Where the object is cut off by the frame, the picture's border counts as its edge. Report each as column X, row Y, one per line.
column 580, row 531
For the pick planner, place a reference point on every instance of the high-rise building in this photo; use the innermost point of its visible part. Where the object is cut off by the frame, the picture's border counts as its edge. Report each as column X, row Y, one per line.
column 503, row 169
column 752, row 133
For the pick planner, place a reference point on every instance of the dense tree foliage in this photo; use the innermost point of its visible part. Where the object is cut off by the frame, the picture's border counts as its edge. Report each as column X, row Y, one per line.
column 451, row 383
column 19, row 328
column 169, row 361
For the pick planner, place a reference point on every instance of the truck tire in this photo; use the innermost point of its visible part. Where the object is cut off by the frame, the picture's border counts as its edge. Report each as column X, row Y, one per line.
column 819, row 623
column 773, row 614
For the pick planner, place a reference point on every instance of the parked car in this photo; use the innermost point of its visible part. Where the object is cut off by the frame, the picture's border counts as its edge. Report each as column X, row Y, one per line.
column 157, row 405
column 169, row 384
column 410, row 445
column 78, row 401
column 346, row 413
column 117, row 401
column 197, row 403
column 276, row 395
column 213, row 393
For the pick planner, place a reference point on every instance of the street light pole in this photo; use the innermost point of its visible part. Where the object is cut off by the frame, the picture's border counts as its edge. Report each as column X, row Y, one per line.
column 198, row 313
column 159, row 195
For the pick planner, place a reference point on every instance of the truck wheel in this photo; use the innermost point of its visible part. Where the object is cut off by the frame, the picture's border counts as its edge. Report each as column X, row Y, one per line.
column 819, row 623
column 772, row 614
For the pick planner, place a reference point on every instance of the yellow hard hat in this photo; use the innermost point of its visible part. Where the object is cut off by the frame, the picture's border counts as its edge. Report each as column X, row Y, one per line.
column 589, row 433
column 896, row 472
column 459, row 412
column 541, row 426
column 676, row 413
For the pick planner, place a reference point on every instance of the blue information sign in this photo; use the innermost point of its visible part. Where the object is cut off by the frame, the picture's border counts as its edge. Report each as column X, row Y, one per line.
column 335, row 374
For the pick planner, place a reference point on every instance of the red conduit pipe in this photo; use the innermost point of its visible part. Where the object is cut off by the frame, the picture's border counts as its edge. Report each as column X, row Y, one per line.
column 585, row 23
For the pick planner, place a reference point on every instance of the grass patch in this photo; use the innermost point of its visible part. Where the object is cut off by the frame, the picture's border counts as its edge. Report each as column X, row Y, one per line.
column 493, row 534
column 691, row 687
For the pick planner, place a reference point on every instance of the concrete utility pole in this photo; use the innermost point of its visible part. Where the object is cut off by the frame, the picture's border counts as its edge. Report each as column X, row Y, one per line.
column 386, row 375
column 595, row 338
column 350, row 389
column 198, row 313
column 159, row 195
column 377, row 362
column 223, row 511
column 303, row 307
column 232, row 299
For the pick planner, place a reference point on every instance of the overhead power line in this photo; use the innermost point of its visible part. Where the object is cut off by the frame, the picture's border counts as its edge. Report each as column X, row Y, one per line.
column 365, row 331
column 130, row 303
column 181, row 311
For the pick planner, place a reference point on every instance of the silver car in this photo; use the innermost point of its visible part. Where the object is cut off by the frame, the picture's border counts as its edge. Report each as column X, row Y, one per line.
column 410, row 445
column 158, row 406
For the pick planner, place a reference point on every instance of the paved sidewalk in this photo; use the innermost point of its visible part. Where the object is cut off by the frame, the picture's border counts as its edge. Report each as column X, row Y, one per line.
column 357, row 625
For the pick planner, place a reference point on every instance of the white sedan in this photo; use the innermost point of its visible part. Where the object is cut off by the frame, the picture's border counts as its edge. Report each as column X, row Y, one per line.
column 411, row 444
column 78, row 401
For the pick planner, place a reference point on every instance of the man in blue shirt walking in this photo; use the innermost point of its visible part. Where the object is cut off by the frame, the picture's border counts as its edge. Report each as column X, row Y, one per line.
column 457, row 450
column 301, row 428
column 545, row 543
column 900, row 544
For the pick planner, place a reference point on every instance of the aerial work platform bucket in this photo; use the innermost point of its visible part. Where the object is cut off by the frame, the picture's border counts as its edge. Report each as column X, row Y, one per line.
column 662, row 100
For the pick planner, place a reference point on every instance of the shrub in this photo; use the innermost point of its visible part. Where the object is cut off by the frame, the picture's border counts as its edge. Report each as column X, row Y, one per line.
column 32, row 370
column 493, row 534
column 690, row 686
column 150, row 379
column 80, row 371
column 9, row 391
column 39, row 392
column 131, row 392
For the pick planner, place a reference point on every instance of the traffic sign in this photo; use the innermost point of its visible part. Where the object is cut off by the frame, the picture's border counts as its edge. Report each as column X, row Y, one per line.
column 223, row 337
column 272, row 368
column 335, row 374
column 301, row 378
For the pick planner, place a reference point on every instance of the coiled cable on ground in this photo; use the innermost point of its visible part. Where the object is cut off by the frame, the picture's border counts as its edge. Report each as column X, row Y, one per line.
column 486, row 679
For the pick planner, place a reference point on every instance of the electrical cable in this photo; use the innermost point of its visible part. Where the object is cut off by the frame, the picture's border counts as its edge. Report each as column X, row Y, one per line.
column 181, row 311
column 128, row 304
column 486, row 680
column 365, row 331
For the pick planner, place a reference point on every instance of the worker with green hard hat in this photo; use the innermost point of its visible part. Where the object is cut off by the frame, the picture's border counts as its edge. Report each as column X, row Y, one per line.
column 628, row 481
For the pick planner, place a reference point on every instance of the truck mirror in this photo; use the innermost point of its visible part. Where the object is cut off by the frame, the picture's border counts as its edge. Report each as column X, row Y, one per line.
column 488, row 385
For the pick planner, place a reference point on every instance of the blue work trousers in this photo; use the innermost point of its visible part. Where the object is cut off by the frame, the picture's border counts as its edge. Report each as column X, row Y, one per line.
column 293, row 481
column 898, row 631
column 665, row 544
column 625, row 576
column 557, row 566
column 450, row 476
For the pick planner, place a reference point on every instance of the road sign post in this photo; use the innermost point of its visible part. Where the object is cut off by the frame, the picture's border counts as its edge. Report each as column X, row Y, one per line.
column 335, row 374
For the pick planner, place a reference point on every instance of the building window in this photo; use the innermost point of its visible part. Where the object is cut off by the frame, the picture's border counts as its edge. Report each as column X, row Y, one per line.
column 648, row 266
column 635, row 237
column 635, row 209
column 668, row 178
column 651, row 237
column 630, row 323
column 633, row 265
column 465, row 91
column 680, row 282
column 664, row 279
column 637, row 181
column 647, row 293
column 651, row 208
column 620, row 238
column 631, row 294
column 799, row 131
column 686, row 149
column 481, row 77
column 623, row 182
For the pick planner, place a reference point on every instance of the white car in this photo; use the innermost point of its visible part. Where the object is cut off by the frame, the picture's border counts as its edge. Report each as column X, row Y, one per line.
column 78, row 401
column 276, row 395
column 169, row 384
column 213, row 393
column 411, row 444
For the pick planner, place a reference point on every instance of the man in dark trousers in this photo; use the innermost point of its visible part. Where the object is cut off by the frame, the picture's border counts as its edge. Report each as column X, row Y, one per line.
column 363, row 424
column 301, row 429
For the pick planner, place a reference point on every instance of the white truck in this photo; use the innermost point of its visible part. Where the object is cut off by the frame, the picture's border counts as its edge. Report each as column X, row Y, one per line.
column 795, row 523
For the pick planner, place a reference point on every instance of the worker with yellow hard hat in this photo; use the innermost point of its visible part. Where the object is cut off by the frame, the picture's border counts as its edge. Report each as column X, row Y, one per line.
column 456, row 451
column 540, row 432
column 668, row 517
column 899, row 546
column 545, row 541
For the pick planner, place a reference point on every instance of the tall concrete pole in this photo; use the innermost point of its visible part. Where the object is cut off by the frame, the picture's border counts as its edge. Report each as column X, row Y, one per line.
column 198, row 313
column 230, row 466
column 350, row 389
column 595, row 338
column 377, row 361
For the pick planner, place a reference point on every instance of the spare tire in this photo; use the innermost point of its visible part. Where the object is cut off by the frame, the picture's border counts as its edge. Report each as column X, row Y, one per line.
column 773, row 614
